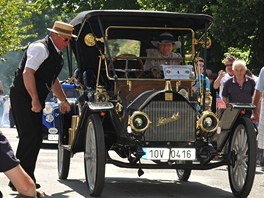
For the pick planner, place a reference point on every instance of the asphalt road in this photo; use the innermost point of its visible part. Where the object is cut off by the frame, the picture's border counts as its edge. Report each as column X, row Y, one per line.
column 120, row 182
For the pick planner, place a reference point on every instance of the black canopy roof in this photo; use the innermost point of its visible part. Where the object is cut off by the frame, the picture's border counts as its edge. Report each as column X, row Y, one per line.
column 144, row 18
column 92, row 21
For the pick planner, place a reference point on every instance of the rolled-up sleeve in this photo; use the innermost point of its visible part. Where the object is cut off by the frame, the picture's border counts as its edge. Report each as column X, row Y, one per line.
column 36, row 54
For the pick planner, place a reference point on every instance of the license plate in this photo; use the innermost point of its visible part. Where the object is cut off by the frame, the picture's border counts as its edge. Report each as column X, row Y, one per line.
column 53, row 137
column 166, row 153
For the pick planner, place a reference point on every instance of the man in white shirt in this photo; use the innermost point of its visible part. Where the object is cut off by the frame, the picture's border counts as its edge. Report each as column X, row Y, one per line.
column 35, row 77
column 258, row 113
column 224, row 76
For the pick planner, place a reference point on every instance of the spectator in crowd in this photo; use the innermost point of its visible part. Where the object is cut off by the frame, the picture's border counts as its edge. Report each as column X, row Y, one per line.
column 240, row 88
column 9, row 164
column 163, row 55
column 5, row 119
column 11, row 118
column 223, row 76
column 258, row 115
column 199, row 62
column 2, row 101
column 202, row 82
column 35, row 77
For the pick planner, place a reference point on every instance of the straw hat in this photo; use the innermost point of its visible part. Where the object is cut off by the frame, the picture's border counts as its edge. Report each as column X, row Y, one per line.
column 166, row 37
column 62, row 28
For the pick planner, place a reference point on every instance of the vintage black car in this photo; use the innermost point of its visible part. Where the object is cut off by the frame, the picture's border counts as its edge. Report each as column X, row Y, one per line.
column 150, row 123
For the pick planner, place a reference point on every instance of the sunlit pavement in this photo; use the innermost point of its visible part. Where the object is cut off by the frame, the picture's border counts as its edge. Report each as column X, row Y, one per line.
column 121, row 182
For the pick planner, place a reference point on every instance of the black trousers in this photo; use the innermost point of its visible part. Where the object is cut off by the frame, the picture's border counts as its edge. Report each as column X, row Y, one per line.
column 28, row 126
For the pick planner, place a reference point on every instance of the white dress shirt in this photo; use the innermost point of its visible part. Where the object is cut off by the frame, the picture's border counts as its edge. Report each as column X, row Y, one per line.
column 36, row 53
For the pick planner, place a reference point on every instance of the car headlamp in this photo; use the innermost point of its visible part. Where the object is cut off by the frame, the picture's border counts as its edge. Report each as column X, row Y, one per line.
column 49, row 118
column 101, row 95
column 139, row 121
column 208, row 122
column 48, row 109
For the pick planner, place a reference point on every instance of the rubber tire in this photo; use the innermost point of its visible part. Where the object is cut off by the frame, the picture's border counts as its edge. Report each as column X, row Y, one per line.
column 183, row 174
column 94, row 155
column 63, row 159
column 243, row 138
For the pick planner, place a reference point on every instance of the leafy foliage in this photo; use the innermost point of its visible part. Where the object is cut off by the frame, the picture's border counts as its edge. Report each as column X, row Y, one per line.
column 237, row 24
column 237, row 53
column 75, row 6
column 13, row 30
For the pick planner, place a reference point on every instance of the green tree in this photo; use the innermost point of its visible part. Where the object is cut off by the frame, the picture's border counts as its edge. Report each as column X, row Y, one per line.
column 75, row 6
column 13, row 30
column 15, row 23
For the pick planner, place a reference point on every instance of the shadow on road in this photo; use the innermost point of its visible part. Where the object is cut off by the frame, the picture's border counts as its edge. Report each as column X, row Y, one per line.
column 138, row 188
column 51, row 146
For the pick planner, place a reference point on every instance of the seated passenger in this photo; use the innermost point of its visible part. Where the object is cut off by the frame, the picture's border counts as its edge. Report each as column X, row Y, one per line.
column 166, row 44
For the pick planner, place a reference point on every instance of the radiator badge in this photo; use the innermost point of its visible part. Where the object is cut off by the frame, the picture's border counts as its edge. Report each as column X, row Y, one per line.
column 173, row 118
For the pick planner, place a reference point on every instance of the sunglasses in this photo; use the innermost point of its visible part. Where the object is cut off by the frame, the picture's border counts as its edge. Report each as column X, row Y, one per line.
column 228, row 65
column 64, row 39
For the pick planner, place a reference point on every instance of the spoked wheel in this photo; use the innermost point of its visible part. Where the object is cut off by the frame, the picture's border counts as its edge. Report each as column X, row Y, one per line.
column 64, row 158
column 242, row 146
column 94, row 155
column 183, row 174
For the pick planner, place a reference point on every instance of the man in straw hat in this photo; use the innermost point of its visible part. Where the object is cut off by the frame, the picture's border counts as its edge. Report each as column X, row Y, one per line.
column 35, row 77
column 163, row 54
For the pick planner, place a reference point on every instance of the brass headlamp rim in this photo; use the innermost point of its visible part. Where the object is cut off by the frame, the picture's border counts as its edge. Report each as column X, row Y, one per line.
column 204, row 115
column 136, row 113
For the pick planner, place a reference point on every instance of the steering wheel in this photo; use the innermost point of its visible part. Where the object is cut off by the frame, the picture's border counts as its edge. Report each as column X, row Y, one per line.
column 137, row 70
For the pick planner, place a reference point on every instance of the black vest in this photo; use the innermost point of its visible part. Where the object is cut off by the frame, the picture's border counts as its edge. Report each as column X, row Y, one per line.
column 45, row 75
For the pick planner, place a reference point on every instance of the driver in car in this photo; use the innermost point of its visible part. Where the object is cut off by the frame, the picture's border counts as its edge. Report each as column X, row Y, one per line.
column 164, row 52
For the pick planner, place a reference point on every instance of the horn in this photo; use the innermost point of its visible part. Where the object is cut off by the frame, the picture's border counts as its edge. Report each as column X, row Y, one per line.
column 90, row 39
column 202, row 41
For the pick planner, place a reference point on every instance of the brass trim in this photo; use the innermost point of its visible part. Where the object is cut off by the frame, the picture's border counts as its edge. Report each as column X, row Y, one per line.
column 129, row 83
column 202, row 42
column 130, row 121
column 74, row 123
column 90, row 39
column 173, row 118
column 169, row 96
column 204, row 115
column 178, row 84
column 168, row 86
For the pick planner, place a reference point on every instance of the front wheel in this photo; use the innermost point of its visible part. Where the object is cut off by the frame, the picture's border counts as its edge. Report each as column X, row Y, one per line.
column 64, row 158
column 94, row 155
column 183, row 174
column 242, row 146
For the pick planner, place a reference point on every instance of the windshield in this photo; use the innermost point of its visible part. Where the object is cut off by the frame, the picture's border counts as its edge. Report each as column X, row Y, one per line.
column 150, row 53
